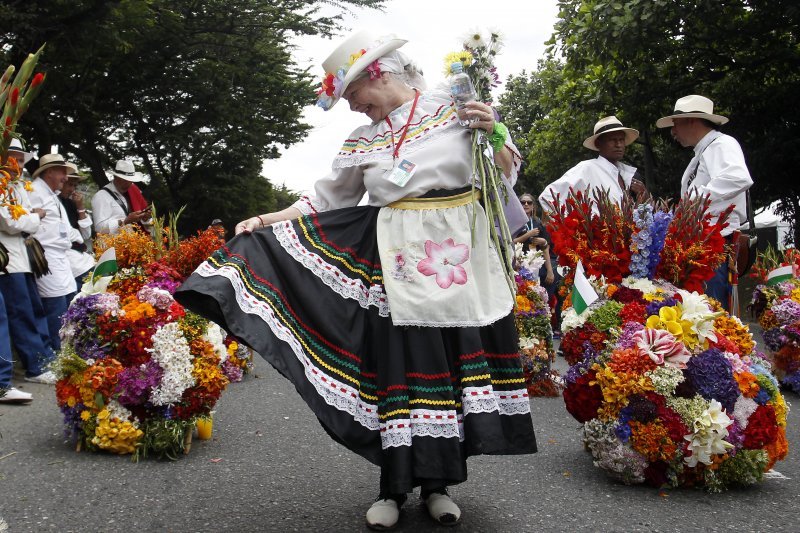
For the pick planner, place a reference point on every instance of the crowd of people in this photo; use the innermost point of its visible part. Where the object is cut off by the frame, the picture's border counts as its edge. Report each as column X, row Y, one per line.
column 50, row 255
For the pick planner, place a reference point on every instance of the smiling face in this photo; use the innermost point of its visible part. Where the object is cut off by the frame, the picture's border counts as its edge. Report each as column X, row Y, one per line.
column 376, row 98
column 55, row 177
column 611, row 145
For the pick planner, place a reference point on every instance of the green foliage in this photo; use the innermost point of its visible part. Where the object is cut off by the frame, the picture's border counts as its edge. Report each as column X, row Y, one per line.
column 200, row 92
column 634, row 58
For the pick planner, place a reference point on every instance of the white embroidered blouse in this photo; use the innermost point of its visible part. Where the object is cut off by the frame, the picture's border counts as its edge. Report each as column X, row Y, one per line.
column 435, row 143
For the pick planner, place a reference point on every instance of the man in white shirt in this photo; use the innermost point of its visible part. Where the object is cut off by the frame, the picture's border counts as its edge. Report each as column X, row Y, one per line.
column 111, row 205
column 80, row 256
column 26, row 325
column 56, row 236
column 718, row 169
column 606, row 172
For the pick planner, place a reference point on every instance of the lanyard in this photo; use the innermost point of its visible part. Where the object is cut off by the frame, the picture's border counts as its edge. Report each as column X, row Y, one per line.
column 404, row 131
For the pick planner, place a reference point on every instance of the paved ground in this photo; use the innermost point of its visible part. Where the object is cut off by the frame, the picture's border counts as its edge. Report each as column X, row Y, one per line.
column 271, row 467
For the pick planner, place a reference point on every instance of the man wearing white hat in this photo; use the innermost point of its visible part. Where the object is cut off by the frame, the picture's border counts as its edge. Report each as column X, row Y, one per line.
column 113, row 205
column 56, row 236
column 26, row 324
column 718, row 169
column 605, row 172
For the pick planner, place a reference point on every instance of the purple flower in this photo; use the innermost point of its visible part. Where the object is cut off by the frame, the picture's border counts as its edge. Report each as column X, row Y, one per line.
column 654, row 306
column 640, row 409
column 628, row 331
column 72, row 420
column 792, row 381
column 135, row 383
column 774, row 339
column 658, row 233
column 786, row 311
column 590, row 355
column 232, row 371
column 712, row 376
column 623, row 431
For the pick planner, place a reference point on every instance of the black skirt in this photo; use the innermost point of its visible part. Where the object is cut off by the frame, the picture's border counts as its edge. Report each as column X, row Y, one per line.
column 307, row 295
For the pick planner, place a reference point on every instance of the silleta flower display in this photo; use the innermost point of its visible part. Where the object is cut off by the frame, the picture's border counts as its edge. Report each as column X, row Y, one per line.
column 669, row 387
column 776, row 305
column 136, row 369
column 532, row 317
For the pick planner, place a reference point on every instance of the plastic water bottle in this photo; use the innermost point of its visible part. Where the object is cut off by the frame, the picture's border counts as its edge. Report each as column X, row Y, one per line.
column 462, row 91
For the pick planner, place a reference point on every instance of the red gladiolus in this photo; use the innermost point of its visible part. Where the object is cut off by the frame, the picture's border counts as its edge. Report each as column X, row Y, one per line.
column 15, row 96
column 37, row 80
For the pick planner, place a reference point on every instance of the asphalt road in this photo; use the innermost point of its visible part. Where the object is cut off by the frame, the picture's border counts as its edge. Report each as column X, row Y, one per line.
column 271, row 467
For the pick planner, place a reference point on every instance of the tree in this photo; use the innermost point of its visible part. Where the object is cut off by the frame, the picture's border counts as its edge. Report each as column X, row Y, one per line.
column 198, row 91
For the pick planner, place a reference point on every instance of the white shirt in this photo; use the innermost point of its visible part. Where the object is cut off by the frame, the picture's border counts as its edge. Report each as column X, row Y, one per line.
column 722, row 174
column 435, row 142
column 56, row 236
column 106, row 210
column 11, row 231
column 599, row 173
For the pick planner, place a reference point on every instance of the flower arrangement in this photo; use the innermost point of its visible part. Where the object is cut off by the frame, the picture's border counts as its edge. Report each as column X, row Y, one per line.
column 669, row 387
column 478, row 56
column 532, row 317
column 651, row 240
column 674, row 394
column 136, row 369
column 16, row 94
column 776, row 305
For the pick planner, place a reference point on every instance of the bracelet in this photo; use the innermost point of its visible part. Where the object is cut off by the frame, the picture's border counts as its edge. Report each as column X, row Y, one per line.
column 260, row 220
column 81, row 211
column 498, row 137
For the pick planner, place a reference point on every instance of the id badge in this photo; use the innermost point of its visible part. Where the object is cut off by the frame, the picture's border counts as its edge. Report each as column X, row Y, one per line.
column 402, row 172
column 62, row 229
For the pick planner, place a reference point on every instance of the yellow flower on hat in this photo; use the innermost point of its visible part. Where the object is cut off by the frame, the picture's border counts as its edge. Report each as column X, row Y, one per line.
column 355, row 57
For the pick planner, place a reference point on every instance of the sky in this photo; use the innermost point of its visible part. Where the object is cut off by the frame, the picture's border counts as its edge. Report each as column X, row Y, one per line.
column 433, row 29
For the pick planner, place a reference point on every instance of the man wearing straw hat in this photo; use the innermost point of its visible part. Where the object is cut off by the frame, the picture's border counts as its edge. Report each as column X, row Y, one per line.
column 56, row 237
column 80, row 255
column 26, row 316
column 605, row 172
column 718, row 169
column 120, row 202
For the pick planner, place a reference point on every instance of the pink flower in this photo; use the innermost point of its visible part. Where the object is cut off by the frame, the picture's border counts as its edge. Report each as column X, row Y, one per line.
column 444, row 261
column 374, row 70
column 662, row 347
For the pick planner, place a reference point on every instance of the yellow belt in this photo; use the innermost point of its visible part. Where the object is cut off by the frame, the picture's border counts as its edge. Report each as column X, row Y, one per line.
column 436, row 203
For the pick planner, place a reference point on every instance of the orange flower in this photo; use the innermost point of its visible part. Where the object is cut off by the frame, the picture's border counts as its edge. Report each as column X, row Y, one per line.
column 652, row 440
column 778, row 449
column 631, row 361
column 748, row 383
column 736, row 332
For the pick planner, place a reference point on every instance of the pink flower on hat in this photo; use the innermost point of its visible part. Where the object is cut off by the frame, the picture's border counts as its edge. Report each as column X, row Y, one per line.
column 374, row 70
column 444, row 261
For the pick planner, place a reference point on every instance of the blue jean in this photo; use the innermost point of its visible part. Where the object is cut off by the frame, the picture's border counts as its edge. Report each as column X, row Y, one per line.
column 54, row 309
column 719, row 287
column 6, row 362
column 27, row 323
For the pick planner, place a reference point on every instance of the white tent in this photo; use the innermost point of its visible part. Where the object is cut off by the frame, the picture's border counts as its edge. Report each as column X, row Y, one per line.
column 768, row 218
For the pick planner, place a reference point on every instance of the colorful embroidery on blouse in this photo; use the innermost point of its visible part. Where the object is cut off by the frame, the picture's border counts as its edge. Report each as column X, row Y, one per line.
column 444, row 115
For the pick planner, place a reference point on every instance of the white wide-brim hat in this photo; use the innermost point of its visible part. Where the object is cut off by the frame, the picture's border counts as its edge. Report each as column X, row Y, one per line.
column 349, row 60
column 692, row 106
column 50, row 161
column 16, row 146
column 607, row 125
column 125, row 170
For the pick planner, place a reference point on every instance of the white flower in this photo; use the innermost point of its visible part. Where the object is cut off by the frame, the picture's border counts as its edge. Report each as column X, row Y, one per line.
column 171, row 351
column 743, row 409
column 571, row 320
column 474, row 39
column 707, row 439
column 526, row 343
column 643, row 284
column 119, row 411
column 696, row 310
column 216, row 337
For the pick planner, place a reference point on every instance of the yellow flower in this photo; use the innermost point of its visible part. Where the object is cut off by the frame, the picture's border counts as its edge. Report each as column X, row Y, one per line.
column 355, row 57
column 85, row 415
column 796, row 295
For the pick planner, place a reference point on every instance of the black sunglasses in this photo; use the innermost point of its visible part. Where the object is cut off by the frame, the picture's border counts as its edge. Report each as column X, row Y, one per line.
column 526, row 202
